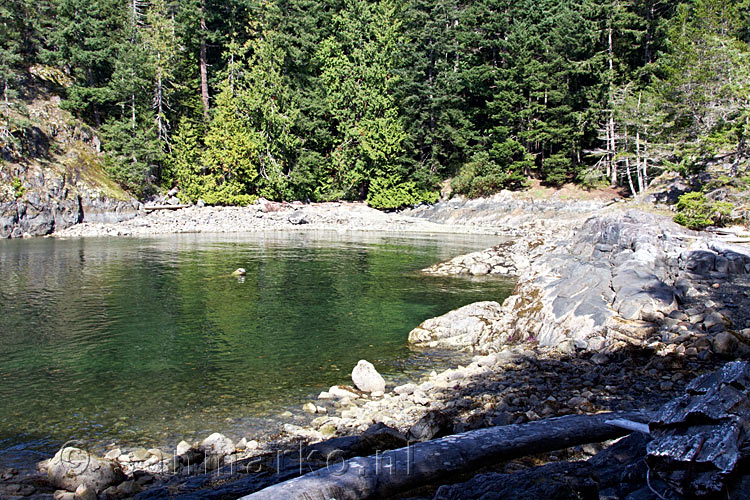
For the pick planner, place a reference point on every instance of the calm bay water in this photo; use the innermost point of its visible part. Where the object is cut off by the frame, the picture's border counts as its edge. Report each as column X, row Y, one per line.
column 147, row 341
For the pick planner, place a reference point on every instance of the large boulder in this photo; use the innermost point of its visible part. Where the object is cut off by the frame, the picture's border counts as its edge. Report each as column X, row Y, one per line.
column 366, row 378
column 72, row 467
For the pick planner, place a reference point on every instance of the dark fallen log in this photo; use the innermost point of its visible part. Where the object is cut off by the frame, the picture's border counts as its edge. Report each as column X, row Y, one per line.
column 700, row 437
column 151, row 208
column 432, row 462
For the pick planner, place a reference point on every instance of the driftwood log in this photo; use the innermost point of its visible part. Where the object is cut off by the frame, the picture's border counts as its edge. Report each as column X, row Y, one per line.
column 382, row 475
column 700, row 437
column 151, row 208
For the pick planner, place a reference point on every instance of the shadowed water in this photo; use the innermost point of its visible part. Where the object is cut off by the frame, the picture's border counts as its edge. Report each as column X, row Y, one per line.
column 150, row 340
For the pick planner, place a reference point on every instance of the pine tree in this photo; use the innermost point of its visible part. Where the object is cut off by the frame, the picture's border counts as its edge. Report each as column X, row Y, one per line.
column 160, row 38
column 358, row 69
column 299, row 27
column 11, row 58
column 230, row 159
column 130, row 138
column 705, row 74
column 430, row 90
column 83, row 41
column 265, row 101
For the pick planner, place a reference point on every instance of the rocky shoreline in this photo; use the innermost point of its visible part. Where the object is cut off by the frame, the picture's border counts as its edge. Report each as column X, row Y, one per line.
column 48, row 199
column 614, row 310
column 342, row 216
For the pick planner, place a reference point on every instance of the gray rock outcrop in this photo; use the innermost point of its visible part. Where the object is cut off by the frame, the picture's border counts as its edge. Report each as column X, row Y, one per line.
column 460, row 328
column 498, row 209
column 51, row 203
column 617, row 279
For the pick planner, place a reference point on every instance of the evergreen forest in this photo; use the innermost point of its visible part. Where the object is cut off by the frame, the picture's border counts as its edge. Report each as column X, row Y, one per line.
column 384, row 100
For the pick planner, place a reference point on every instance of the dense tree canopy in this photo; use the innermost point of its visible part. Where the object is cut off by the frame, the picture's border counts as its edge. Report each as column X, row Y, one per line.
column 381, row 100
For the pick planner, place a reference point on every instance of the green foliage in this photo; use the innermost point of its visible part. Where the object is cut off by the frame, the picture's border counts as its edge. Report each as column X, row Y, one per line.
column 696, row 212
column 556, row 169
column 481, row 176
column 264, row 107
column 18, row 187
column 387, row 194
column 357, row 65
column 592, row 178
column 380, row 100
column 230, row 159
column 703, row 78
column 723, row 181
column 11, row 58
column 183, row 165
column 132, row 154
column 680, row 168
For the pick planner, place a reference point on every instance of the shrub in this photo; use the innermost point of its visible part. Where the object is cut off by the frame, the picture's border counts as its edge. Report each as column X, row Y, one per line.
column 696, row 212
column 384, row 194
column 18, row 187
column 556, row 169
column 482, row 176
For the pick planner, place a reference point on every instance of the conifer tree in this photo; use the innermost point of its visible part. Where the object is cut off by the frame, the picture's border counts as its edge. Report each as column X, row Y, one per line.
column 130, row 137
column 358, row 69
column 11, row 58
column 83, row 41
column 160, row 38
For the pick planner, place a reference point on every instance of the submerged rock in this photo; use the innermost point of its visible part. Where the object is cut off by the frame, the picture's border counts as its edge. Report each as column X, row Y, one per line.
column 366, row 378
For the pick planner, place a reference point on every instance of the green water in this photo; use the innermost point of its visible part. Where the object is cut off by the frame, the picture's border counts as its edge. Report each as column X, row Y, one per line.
column 147, row 341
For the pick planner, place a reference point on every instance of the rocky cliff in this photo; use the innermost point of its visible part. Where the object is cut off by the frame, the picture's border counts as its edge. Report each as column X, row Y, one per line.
column 51, row 174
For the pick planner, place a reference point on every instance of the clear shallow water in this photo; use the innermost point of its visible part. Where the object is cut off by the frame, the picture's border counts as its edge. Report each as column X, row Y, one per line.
column 150, row 340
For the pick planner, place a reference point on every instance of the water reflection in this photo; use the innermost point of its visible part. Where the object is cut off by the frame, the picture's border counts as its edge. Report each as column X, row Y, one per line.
column 149, row 340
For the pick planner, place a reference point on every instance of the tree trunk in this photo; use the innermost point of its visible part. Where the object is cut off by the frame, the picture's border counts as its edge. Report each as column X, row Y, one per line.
column 204, row 62
column 640, row 165
column 645, row 157
column 627, row 164
column 132, row 111
column 384, row 474
column 6, row 111
column 97, row 115
column 612, row 148
column 612, row 145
